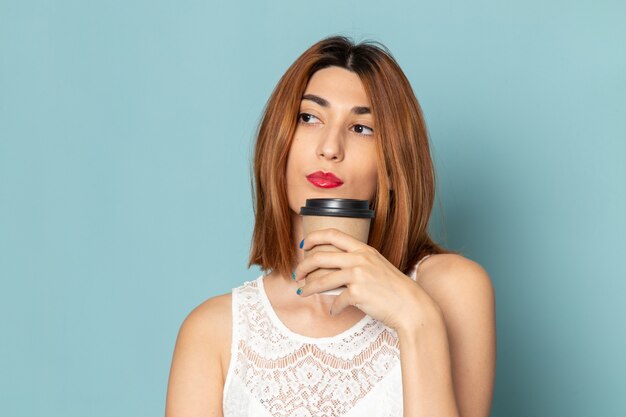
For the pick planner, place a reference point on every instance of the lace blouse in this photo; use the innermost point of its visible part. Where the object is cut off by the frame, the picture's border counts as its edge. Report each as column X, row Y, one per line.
column 276, row 372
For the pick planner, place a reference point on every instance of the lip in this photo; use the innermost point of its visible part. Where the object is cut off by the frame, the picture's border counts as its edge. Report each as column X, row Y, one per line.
column 324, row 180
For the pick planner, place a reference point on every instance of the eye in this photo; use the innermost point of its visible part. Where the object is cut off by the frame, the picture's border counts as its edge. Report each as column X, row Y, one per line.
column 306, row 118
column 362, row 130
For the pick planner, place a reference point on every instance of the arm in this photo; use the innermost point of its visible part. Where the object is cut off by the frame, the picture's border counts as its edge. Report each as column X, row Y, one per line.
column 196, row 383
column 448, row 356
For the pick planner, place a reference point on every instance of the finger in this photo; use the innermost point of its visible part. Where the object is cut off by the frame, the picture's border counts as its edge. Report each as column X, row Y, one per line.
column 342, row 301
column 327, row 282
column 334, row 237
column 323, row 259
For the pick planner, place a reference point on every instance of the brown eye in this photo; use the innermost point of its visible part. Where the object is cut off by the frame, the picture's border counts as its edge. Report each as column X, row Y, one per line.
column 363, row 130
column 306, row 117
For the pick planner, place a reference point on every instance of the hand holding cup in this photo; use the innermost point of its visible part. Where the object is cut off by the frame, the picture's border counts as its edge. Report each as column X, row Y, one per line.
column 351, row 216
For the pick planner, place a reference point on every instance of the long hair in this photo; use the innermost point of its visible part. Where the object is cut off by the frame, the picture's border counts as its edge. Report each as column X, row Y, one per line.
column 399, row 230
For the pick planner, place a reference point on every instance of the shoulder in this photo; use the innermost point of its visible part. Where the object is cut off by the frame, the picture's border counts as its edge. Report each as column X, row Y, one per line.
column 196, row 378
column 219, row 304
column 463, row 291
column 207, row 331
column 455, row 282
column 209, row 319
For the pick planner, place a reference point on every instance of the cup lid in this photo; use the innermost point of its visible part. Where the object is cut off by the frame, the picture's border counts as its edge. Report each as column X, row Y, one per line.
column 337, row 207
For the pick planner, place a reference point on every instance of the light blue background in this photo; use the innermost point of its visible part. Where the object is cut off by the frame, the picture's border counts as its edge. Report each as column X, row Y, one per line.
column 126, row 129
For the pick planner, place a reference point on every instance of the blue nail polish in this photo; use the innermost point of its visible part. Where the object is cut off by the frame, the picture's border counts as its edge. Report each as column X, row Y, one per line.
column 293, row 276
column 302, row 244
column 299, row 291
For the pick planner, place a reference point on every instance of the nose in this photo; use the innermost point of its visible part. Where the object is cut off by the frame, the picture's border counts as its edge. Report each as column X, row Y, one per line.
column 331, row 144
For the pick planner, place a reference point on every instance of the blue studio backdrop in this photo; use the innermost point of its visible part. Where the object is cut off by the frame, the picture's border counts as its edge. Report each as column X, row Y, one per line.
column 126, row 131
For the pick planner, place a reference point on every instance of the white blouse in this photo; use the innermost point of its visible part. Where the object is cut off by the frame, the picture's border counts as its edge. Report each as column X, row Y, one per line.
column 276, row 372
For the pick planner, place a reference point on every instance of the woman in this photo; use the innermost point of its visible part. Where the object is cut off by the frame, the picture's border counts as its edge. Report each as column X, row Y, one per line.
column 400, row 340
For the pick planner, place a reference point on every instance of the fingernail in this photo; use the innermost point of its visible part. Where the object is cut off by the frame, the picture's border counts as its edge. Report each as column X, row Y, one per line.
column 293, row 276
column 299, row 291
column 302, row 244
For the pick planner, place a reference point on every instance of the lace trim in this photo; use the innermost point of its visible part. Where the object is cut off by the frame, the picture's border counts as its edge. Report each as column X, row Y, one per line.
column 384, row 342
column 290, row 376
column 306, row 381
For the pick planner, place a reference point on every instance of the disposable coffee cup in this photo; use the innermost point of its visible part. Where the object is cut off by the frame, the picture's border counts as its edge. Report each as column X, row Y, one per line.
column 350, row 216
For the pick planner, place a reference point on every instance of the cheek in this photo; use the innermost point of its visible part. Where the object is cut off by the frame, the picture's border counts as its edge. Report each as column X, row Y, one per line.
column 371, row 164
column 296, row 161
column 373, row 178
column 292, row 162
column 371, row 174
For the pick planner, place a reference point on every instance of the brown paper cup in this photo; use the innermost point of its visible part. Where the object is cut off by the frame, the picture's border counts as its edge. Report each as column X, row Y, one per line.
column 356, row 227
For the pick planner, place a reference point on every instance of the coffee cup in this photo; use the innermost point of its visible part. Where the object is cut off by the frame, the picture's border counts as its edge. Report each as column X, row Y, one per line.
column 350, row 216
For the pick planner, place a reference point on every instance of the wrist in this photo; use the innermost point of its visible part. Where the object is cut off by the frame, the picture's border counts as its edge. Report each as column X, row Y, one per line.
column 431, row 321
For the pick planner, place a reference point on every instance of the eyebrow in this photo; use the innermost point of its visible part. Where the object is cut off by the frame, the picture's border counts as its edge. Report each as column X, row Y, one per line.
column 324, row 103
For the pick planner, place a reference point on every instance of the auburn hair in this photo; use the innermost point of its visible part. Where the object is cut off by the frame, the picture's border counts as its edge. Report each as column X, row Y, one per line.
column 399, row 230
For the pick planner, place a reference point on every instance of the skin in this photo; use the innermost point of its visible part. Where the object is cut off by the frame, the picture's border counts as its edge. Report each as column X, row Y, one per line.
column 327, row 138
column 445, row 319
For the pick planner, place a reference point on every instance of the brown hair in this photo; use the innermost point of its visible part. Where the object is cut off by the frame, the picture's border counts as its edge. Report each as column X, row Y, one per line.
column 399, row 229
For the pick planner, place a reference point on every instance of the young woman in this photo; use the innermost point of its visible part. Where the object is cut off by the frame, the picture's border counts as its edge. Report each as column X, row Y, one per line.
column 414, row 332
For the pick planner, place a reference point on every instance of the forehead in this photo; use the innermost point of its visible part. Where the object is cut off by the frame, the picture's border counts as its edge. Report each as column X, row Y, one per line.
column 338, row 86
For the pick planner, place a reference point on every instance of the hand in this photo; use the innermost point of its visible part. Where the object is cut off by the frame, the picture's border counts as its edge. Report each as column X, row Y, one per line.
column 374, row 285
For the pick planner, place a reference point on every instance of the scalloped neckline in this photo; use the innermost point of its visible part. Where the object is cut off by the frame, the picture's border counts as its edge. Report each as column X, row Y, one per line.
column 306, row 339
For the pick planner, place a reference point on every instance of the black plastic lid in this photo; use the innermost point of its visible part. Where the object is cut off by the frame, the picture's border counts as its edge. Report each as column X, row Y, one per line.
column 337, row 207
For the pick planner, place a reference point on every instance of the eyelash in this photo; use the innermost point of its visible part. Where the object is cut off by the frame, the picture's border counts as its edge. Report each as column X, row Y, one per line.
column 309, row 114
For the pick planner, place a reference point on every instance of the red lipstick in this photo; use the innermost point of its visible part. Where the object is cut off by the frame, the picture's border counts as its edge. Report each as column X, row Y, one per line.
column 324, row 180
